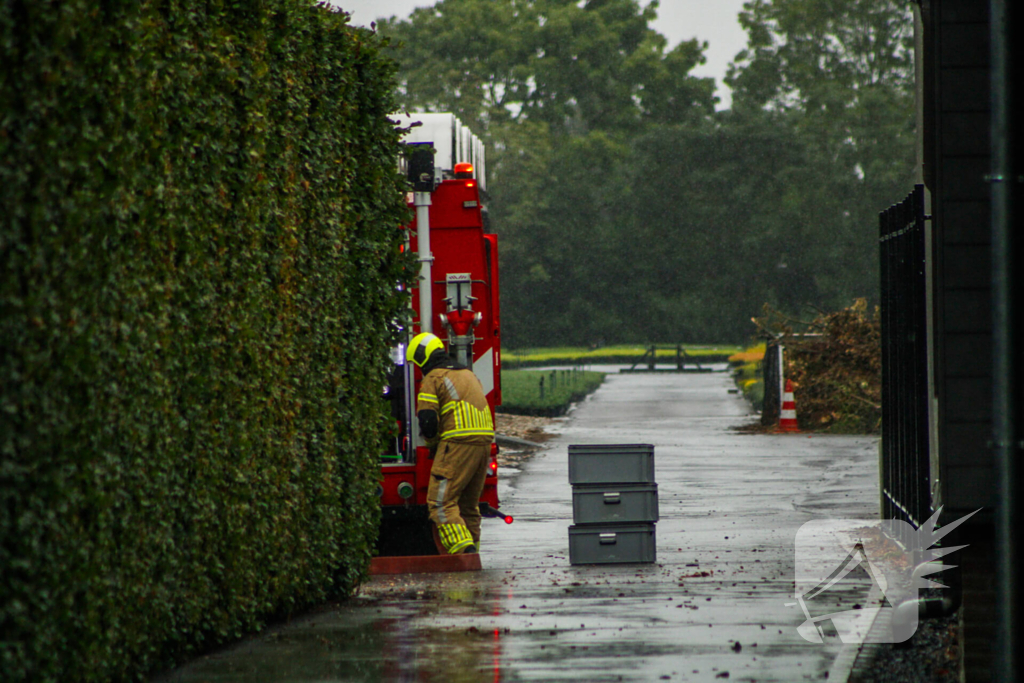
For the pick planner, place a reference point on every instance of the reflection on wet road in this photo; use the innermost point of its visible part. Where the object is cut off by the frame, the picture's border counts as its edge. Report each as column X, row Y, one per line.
column 713, row 607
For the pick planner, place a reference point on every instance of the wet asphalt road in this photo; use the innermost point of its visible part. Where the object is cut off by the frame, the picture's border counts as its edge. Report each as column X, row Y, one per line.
column 712, row 608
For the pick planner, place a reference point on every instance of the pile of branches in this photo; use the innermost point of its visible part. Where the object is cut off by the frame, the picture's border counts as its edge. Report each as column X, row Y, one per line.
column 835, row 363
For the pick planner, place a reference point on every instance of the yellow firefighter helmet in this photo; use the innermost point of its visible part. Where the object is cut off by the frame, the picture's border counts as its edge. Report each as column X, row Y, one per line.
column 421, row 347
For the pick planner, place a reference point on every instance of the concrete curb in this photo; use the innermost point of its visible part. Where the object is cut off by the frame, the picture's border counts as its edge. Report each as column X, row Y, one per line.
column 513, row 442
column 856, row 657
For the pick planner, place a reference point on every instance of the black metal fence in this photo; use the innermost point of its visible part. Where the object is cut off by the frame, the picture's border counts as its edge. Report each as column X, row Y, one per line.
column 682, row 359
column 905, row 459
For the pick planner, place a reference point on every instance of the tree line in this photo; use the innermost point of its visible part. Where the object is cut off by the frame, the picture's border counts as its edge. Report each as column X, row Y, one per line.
column 629, row 209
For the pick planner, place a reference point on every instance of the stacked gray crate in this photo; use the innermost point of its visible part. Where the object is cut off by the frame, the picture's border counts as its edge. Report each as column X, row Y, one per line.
column 614, row 503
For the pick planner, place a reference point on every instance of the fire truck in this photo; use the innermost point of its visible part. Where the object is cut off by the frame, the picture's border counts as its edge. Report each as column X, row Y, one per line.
column 456, row 298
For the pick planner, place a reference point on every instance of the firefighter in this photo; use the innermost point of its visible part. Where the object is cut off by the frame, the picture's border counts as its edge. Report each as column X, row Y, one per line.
column 454, row 416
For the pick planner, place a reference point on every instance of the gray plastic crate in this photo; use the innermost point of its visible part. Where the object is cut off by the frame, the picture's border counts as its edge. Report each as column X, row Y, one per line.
column 611, row 464
column 611, row 543
column 614, row 503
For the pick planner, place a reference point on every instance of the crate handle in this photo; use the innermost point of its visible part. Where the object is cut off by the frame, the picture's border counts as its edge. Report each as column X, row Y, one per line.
column 607, row 539
column 612, row 498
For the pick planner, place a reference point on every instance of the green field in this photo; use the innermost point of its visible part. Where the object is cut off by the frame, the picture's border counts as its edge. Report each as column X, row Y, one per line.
column 622, row 354
column 547, row 392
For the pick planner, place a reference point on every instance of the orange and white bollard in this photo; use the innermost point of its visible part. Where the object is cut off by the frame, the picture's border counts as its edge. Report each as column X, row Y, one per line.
column 787, row 418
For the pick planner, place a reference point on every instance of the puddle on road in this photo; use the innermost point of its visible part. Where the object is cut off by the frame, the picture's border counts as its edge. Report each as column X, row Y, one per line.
column 364, row 640
column 583, row 623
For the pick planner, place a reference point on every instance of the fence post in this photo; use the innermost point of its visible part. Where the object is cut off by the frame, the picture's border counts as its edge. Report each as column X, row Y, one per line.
column 771, row 375
column 781, row 353
column 542, row 387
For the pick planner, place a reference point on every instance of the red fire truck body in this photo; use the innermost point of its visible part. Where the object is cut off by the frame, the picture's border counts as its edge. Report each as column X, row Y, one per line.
column 461, row 271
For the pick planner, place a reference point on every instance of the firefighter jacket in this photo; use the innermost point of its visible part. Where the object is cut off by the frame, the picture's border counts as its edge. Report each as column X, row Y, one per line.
column 458, row 398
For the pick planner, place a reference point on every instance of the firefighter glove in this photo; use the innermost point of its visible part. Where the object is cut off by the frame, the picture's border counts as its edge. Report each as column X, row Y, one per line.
column 428, row 423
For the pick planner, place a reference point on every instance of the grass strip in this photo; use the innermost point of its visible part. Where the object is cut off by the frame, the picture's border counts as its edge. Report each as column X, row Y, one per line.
column 547, row 393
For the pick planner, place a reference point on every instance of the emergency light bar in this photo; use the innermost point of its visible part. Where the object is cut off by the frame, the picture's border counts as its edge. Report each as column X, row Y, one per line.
column 455, row 143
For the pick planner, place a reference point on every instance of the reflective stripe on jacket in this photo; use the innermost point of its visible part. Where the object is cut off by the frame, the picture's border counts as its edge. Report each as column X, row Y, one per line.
column 459, row 399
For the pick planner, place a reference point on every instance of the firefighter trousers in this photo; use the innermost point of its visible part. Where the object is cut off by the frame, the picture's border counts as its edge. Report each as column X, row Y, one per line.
column 453, row 495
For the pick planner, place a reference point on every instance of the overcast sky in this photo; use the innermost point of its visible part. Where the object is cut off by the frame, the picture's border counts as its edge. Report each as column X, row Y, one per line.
column 713, row 21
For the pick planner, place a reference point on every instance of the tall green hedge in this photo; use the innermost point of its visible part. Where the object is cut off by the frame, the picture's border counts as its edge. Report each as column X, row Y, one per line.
column 199, row 230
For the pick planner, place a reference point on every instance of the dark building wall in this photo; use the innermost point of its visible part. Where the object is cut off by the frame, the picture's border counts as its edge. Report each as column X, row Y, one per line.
column 972, row 144
column 957, row 156
column 957, row 160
